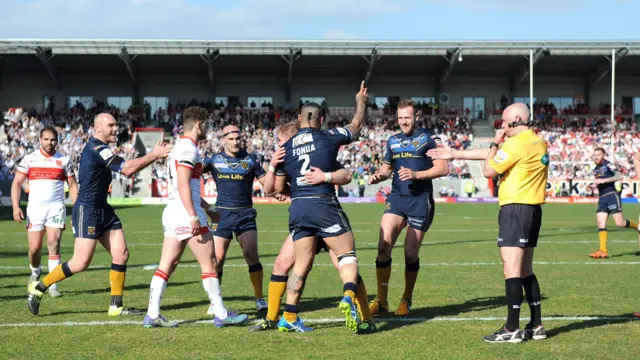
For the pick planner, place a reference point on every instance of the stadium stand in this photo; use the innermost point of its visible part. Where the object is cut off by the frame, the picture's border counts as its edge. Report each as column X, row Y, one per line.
column 249, row 85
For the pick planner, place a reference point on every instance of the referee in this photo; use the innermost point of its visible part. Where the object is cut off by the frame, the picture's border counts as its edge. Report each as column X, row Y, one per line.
column 522, row 162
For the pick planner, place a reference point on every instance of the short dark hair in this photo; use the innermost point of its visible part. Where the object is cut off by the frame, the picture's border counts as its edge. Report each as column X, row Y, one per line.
column 601, row 150
column 311, row 112
column 192, row 115
column 50, row 129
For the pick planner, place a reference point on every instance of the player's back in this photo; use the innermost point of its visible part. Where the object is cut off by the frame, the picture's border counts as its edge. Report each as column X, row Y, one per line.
column 410, row 151
column 234, row 177
column 94, row 175
column 312, row 148
column 184, row 154
column 47, row 175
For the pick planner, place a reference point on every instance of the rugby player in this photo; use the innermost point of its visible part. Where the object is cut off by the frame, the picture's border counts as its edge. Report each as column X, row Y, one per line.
column 410, row 203
column 185, row 222
column 234, row 171
column 522, row 162
column 47, row 170
column 609, row 203
column 94, row 219
column 315, row 210
column 286, row 257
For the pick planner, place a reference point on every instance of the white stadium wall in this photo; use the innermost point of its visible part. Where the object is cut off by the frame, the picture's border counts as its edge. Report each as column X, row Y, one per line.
column 28, row 90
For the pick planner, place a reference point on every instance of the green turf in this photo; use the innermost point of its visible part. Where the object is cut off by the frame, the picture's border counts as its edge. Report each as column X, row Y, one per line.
column 461, row 277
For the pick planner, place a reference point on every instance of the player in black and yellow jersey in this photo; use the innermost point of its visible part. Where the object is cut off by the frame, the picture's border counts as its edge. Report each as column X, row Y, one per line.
column 520, row 157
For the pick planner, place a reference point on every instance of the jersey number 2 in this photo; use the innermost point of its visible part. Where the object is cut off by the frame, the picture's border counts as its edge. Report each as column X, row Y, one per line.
column 305, row 165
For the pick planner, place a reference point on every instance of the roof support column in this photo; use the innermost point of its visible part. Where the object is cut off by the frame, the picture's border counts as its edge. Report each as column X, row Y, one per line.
column 522, row 73
column 587, row 91
column 294, row 55
column 371, row 60
column 45, row 55
column 133, row 75
column 210, row 58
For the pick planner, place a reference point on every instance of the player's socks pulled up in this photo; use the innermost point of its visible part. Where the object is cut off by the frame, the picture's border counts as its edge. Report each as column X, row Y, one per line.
column 362, row 300
column 157, row 287
column 603, row 236
column 277, row 287
column 211, row 286
column 117, row 276
column 514, row 300
column 383, row 274
column 56, row 275
column 532, row 291
column 631, row 225
column 410, row 277
column 256, row 274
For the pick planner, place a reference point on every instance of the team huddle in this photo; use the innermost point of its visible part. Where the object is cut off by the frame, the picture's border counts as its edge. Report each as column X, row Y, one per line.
column 305, row 169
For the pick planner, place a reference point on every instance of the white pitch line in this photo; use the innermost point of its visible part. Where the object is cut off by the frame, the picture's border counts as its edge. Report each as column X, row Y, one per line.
column 399, row 243
column 152, row 266
column 330, row 320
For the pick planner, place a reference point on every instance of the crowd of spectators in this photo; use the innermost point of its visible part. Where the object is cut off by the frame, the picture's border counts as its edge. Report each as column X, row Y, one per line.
column 571, row 135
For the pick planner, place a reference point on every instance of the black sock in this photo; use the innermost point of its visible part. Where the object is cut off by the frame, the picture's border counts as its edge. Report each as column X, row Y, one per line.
column 532, row 290
column 514, row 300
column 116, row 300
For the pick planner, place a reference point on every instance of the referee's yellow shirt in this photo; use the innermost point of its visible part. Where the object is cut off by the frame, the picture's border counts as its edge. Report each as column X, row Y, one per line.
column 523, row 162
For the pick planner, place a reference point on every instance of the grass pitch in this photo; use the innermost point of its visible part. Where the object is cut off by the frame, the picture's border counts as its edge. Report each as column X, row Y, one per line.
column 587, row 304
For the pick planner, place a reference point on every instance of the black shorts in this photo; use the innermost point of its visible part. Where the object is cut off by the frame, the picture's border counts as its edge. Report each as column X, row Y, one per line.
column 519, row 225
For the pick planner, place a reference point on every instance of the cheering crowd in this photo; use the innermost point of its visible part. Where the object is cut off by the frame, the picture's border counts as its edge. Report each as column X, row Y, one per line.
column 571, row 138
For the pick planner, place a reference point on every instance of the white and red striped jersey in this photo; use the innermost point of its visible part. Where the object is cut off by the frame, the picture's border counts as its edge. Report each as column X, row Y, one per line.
column 185, row 154
column 47, row 175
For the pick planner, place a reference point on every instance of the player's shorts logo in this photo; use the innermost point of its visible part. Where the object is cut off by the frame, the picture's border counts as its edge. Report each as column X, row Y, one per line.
column 213, row 227
column 91, row 230
column 387, row 206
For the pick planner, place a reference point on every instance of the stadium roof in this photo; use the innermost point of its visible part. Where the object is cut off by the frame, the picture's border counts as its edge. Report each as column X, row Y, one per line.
column 310, row 47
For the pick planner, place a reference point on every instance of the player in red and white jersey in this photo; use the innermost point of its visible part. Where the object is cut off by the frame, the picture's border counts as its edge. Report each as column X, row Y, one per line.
column 185, row 222
column 47, row 170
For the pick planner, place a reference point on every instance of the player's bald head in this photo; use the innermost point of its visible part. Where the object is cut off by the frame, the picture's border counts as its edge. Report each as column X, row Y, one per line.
column 103, row 118
column 312, row 113
column 516, row 112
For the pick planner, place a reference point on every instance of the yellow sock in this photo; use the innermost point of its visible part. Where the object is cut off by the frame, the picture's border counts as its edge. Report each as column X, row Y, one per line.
column 633, row 225
column 410, row 277
column 350, row 294
column 116, row 278
column 383, row 274
column 362, row 300
column 602, row 234
column 290, row 316
column 256, row 274
column 56, row 275
column 277, row 287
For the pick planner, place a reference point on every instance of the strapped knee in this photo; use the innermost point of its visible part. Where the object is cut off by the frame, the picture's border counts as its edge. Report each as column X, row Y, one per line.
column 347, row 258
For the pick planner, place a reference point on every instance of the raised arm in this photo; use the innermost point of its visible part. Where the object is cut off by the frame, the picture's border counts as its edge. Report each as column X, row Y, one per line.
column 132, row 166
column 357, row 122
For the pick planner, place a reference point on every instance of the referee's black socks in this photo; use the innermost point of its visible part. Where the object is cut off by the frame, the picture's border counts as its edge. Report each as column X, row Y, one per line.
column 532, row 290
column 514, row 300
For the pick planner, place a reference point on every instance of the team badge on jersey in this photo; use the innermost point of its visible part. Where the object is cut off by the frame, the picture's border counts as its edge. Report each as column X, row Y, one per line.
column 245, row 165
column 415, row 142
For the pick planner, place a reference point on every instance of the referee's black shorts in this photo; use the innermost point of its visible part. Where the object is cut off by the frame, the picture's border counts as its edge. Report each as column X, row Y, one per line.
column 519, row 225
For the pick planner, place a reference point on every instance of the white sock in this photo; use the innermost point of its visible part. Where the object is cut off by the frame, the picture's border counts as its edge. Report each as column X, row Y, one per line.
column 36, row 271
column 211, row 285
column 158, row 285
column 54, row 261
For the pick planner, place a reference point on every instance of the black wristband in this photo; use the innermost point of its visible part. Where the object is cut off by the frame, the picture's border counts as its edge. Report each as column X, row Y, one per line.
column 493, row 144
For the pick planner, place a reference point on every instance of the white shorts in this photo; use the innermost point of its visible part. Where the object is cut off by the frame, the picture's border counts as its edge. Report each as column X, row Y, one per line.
column 41, row 216
column 175, row 221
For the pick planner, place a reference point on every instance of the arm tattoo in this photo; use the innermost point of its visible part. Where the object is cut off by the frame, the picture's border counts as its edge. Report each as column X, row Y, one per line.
column 358, row 120
column 296, row 283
